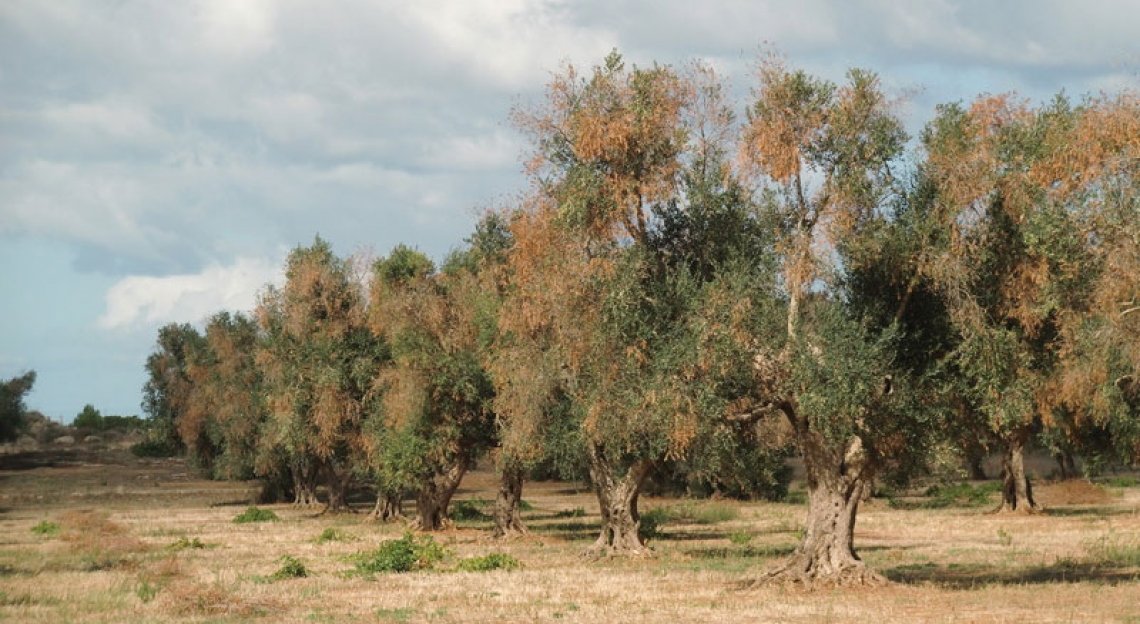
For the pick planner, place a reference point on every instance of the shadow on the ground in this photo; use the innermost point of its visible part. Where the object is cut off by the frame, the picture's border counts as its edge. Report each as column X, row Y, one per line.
column 969, row 576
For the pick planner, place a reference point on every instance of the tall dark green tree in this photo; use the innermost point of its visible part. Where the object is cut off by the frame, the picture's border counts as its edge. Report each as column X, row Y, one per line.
column 12, row 408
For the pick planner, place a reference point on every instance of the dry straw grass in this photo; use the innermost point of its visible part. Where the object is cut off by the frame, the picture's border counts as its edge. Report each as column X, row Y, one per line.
column 1078, row 562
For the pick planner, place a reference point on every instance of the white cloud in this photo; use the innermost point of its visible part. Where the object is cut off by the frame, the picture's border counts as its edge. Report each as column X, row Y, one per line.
column 150, row 301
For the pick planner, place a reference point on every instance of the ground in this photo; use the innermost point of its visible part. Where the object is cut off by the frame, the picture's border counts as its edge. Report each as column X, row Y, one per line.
column 95, row 535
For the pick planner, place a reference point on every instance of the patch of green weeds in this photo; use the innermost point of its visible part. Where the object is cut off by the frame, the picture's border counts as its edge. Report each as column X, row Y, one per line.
column 183, row 543
column 525, row 505
column 740, row 538
column 1112, row 549
column 400, row 614
column 1120, row 481
column 46, row 528
column 333, row 534
column 291, row 568
column 576, row 512
column 256, row 514
column 400, row 555
column 146, row 591
column 960, row 495
column 486, row 563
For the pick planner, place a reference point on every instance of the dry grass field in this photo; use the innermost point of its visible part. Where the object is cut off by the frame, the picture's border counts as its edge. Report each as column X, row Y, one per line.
column 103, row 537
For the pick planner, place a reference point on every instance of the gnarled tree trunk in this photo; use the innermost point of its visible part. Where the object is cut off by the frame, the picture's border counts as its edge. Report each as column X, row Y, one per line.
column 617, row 499
column 836, row 479
column 435, row 494
column 337, row 483
column 1016, row 491
column 508, row 521
column 389, row 507
column 305, row 484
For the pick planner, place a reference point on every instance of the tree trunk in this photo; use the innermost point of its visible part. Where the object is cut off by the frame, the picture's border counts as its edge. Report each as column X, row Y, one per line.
column 836, row 480
column 1016, row 491
column 305, row 485
column 617, row 499
column 337, row 484
column 435, row 495
column 1067, row 464
column 389, row 507
column 508, row 521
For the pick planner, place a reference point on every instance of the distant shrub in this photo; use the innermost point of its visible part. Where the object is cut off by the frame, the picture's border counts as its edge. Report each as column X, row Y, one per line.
column 486, row 563
column 291, row 568
column 255, row 514
column 155, row 448
column 400, row 555
column 469, row 510
column 46, row 528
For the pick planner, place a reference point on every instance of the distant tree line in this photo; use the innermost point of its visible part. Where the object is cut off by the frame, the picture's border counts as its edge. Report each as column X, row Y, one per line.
column 684, row 295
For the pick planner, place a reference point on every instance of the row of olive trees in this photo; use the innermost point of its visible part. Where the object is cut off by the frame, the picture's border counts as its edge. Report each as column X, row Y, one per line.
column 681, row 287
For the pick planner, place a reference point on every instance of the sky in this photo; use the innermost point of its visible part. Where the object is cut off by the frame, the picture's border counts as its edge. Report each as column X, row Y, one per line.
column 159, row 159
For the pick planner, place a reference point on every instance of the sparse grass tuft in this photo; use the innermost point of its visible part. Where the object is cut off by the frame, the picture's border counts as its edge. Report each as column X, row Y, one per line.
column 1114, row 550
column 486, row 563
column 740, row 538
column 255, row 514
column 333, row 534
column 576, row 512
column 401, row 614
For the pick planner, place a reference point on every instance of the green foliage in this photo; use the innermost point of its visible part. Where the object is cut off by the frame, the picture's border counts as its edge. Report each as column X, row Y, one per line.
column 160, row 445
column 255, row 514
column 291, row 568
column 469, row 510
column 649, row 526
column 146, row 591
column 961, row 495
column 400, row 555
column 740, row 538
column 46, row 527
column 184, row 543
column 486, row 563
column 12, row 393
column 333, row 534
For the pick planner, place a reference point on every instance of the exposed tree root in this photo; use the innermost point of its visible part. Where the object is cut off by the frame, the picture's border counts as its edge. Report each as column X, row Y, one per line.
column 806, row 573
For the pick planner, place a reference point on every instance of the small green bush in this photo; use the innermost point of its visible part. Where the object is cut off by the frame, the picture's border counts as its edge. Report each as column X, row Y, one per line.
column 291, row 568
column 333, row 534
column 255, row 514
column 46, row 528
column 525, row 505
column 486, row 563
column 400, row 555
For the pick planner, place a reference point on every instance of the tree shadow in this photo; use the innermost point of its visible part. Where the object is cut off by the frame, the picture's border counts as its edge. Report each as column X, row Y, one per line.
column 741, row 552
column 971, row 576
column 1092, row 510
